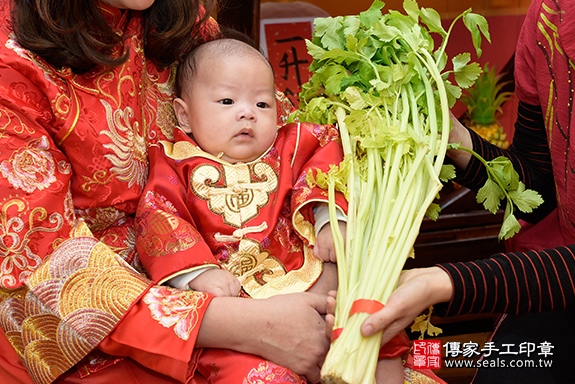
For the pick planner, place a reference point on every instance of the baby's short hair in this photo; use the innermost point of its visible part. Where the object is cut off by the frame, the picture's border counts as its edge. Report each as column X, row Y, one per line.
column 219, row 48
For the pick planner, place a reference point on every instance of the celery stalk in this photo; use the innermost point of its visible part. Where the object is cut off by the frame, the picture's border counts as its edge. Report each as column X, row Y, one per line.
column 377, row 77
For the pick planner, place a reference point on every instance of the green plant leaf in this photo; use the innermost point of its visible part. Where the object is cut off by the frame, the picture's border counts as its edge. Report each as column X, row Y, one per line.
column 465, row 74
column 490, row 195
column 477, row 25
column 509, row 227
column 447, row 172
column 433, row 21
column 525, row 199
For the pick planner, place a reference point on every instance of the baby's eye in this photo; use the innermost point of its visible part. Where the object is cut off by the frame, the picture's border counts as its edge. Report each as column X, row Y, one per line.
column 262, row 105
column 226, row 101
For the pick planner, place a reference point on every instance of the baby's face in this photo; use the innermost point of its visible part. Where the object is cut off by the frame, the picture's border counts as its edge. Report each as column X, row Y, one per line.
column 232, row 108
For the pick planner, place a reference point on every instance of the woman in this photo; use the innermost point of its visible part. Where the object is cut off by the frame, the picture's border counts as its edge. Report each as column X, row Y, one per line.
column 538, row 276
column 86, row 88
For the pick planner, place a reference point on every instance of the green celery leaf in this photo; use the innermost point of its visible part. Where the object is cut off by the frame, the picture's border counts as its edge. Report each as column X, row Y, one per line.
column 433, row 211
column 354, row 98
column 433, row 21
column 502, row 168
column 525, row 199
column 332, row 76
column 453, row 93
column 338, row 55
column 330, row 32
column 465, row 74
column 386, row 32
column 372, row 15
column 509, row 227
column 412, row 9
column 315, row 51
column 475, row 24
column 447, row 172
column 490, row 196
column 351, row 26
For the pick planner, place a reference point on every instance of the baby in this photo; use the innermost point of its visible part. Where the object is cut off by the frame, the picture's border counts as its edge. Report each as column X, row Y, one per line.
column 261, row 227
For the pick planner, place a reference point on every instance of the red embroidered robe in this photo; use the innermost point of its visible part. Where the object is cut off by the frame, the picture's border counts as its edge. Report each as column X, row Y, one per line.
column 73, row 164
column 253, row 219
column 544, row 67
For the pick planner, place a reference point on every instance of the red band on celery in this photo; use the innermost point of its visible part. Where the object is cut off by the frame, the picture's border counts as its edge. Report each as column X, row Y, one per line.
column 335, row 334
column 365, row 306
column 359, row 306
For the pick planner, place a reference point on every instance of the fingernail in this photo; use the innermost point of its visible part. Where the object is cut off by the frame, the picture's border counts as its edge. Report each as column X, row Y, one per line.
column 368, row 330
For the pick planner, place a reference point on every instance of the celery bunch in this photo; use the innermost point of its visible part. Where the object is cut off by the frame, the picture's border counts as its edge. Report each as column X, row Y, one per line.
column 379, row 79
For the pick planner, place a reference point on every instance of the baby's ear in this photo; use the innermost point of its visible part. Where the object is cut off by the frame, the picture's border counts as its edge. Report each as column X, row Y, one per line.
column 182, row 115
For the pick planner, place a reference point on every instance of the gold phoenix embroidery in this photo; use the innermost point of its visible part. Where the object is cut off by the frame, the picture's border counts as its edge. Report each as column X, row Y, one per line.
column 129, row 146
column 240, row 198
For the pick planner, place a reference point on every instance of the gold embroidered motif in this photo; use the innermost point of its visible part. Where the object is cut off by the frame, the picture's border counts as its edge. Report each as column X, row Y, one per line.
column 182, row 150
column 14, row 245
column 6, row 117
column 99, row 178
column 168, row 232
column 239, row 199
column 253, row 266
column 172, row 307
column 297, row 280
column 129, row 145
column 61, row 105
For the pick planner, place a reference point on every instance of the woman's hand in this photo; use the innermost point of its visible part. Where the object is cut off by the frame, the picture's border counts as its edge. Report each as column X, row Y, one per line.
column 286, row 329
column 417, row 290
column 459, row 134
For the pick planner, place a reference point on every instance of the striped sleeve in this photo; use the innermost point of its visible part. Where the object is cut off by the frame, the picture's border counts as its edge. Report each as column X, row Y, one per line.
column 513, row 283
column 529, row 154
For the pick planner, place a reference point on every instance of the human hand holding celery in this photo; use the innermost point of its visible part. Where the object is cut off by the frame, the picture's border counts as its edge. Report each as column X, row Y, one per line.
column 380, row 80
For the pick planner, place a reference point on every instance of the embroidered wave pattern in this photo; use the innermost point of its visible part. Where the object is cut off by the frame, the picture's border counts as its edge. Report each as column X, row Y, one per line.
column 71, row 303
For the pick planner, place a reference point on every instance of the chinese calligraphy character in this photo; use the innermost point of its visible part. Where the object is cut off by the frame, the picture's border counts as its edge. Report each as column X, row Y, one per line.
column 545, row 348
column 526, row 347
column 488, row 348
column 452, row 349
column 508, row 351
column 470, row 349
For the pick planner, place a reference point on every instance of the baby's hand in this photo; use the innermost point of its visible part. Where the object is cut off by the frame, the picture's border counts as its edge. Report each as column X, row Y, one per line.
column 324, row 248
column 218, row 282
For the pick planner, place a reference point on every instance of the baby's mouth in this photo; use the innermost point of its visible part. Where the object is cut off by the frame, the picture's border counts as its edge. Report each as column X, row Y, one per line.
column 245, row 132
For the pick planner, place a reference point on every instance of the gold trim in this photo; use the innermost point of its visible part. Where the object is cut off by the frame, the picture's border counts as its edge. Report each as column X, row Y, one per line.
column 76, row 118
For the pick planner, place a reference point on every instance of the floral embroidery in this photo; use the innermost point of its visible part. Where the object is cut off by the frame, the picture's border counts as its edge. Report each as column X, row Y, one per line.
column 324, row 133
column 31, row 167
column 271, row 373
column 171, row 307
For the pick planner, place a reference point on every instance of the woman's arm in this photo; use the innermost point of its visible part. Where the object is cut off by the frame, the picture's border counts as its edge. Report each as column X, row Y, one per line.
column 506, row 283
column 529, row 154
column 287, row 329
